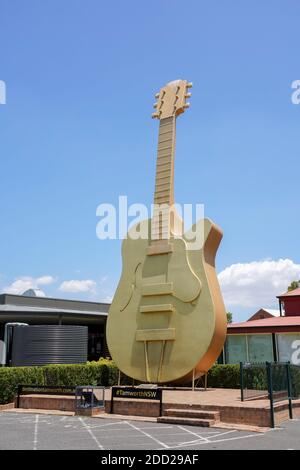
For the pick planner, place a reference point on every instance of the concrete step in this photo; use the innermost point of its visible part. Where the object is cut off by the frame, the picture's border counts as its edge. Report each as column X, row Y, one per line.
column 205, row 423
column 192, row 413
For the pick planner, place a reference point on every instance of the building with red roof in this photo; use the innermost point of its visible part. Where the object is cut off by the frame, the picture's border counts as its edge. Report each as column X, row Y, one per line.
column 290, row 303
column 268, row 335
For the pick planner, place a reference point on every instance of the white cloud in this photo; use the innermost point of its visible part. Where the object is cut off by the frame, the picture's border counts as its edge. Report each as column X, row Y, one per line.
column 256, row 284
column 45, row 280
column 21, row 284
column 87, row 285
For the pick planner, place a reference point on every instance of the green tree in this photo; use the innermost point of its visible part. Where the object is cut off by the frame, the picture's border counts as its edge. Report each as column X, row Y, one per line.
column 229, row 317
column 294, row 285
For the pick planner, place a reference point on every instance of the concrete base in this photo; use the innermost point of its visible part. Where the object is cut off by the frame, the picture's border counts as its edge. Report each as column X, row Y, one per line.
column 48, row 402
column 218, row 406
column 227, row 402
column 8, row 406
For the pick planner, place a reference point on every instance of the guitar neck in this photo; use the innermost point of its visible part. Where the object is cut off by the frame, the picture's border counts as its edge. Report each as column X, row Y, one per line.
column 164, row 181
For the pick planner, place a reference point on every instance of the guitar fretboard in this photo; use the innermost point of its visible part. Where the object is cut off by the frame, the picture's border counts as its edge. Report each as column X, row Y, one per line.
column 164, row 182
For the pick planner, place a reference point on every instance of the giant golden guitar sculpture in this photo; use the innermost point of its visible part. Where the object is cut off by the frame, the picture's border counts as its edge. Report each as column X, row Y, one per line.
column 167, row 321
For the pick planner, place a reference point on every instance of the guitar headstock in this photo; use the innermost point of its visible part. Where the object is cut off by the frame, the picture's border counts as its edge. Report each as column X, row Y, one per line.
column 171, row 99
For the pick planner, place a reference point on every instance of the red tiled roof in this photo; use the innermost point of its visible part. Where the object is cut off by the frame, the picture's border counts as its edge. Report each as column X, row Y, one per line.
column 291, row 293
column 267, row 322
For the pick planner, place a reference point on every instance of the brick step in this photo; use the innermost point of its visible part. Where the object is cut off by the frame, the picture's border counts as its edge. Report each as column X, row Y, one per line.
column 205, row 423
column 186, row 413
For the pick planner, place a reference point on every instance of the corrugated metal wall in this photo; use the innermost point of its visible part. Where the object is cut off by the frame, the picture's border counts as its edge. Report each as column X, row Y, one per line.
column 49, row 344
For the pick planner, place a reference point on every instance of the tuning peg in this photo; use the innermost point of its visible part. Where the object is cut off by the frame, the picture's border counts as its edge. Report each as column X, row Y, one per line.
column 155, row 115
column 155, row 105
column 189, row 85
column 186, row 105
column 156, row 95
column 188, row 95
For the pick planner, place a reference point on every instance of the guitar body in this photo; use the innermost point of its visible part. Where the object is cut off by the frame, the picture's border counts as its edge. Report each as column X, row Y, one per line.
column 167, row 321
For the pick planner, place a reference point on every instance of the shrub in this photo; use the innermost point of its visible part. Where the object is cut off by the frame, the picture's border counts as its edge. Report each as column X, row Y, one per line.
column 224, row 376
column 103, row 372
column 11, row 377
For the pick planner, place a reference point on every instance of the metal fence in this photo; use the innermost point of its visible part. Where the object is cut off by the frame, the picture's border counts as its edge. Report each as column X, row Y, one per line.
column 295, row 381
column 253, row 381
column 273, row 381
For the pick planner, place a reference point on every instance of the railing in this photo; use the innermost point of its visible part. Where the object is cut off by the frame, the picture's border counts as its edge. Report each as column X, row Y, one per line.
column 274, row 381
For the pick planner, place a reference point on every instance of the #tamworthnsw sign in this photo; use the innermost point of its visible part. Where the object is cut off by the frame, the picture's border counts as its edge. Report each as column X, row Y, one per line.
column 136, row 393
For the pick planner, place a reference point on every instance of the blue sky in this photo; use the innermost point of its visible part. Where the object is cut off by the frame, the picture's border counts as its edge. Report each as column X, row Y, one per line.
column 76, row 132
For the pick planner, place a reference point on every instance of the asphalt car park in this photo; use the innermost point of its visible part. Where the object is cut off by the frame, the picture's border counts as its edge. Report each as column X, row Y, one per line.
column 49, row 432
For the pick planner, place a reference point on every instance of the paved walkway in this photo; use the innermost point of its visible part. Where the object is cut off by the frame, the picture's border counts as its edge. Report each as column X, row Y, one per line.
column 211, row 396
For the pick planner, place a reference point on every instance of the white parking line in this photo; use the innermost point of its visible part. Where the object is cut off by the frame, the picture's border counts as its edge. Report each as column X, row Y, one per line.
column 223, row 433
column 91, row 433
column 156, row 427
column 194, row 433
column 104, row 425
column 195, row 441
column 200, row 443
column 148, row 435
column 35, row 437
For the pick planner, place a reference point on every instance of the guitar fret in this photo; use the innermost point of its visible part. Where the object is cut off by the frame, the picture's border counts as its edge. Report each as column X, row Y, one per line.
column 163, row 125
column 163, row 160
column 162, row 146
column 163, row 192
column 165, row 136
column 162, row 200
column 163, row 153
column 162, row 163
column 165, row 184
column 168, row 133
column 162, row 141
column 164, row 173
column 162, row 187
column 164, row 179
column 163, row 168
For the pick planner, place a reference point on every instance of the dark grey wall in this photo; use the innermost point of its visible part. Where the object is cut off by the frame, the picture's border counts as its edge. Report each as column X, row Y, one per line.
column 49, row 344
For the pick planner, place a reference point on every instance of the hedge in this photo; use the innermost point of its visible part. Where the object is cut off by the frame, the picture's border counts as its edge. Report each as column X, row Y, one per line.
column 103, row 373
